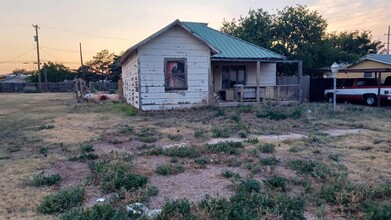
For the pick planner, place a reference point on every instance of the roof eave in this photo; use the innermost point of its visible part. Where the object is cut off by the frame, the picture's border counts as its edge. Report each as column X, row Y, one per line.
column 153, row 36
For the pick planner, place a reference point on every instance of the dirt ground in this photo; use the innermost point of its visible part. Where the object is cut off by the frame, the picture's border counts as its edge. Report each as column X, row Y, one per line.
column 358, row 135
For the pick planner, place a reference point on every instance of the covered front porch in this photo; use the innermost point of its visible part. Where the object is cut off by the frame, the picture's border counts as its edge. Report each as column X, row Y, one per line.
column 253, row 81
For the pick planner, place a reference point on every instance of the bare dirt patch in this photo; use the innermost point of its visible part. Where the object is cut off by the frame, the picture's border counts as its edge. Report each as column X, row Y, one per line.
column 193, row 185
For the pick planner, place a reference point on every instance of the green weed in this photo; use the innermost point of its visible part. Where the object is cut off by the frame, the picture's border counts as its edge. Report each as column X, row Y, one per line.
column 224, row 147
column 177, row 209
column 45, row 180
column 45, row 127
column 221, row 132
column 169, row 169
column 61, row 201
column 114, row 176
column 269, row 161
column 105, row 212
column 267, row 148
column 175, row 137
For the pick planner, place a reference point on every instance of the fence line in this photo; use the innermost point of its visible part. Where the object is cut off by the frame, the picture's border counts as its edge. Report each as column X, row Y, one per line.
column 54, row 87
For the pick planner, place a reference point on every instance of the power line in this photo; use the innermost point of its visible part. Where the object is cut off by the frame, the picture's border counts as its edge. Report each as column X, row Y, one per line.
column 5, row 61
column 51, row 55
column 65, row 50
column 86, row 33
column 15, row 25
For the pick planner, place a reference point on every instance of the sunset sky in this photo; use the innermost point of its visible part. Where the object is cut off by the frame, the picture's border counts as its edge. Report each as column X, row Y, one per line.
column 118, row 24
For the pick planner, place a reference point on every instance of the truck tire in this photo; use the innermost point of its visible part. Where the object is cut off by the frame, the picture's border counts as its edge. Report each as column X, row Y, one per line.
column 370, row 100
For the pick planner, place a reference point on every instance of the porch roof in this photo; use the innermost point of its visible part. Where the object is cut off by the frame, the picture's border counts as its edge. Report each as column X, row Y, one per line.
column 230, row 47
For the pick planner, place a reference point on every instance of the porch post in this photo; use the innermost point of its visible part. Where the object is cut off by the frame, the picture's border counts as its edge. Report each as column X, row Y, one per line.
column 378, row 89
column 258, row 76
column 299, row 79
column 210, row 84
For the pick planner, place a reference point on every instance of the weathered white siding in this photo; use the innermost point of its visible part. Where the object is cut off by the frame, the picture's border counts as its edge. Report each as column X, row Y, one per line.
column 175, row 43
column 267, row 76
column 130, row 77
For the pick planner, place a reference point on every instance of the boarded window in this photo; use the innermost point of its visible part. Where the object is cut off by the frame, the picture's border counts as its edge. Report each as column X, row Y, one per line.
column 233, row 75
column 175, row 74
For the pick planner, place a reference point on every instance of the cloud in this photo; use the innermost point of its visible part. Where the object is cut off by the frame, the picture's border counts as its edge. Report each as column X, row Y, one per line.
column 345, row 15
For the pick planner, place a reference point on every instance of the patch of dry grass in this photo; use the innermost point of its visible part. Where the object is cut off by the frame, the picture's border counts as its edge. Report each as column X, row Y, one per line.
column 365, row 156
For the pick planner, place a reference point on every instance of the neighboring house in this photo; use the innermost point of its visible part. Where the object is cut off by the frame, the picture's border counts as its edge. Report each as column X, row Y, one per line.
column 13, row 79
column 370, row 61
column 12, row 83
column 188, row 64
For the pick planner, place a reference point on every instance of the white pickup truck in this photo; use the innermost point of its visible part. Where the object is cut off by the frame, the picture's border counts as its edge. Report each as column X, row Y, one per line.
column 360, row 90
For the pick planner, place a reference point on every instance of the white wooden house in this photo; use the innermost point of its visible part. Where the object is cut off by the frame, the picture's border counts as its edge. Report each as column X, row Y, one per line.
column 187, row 64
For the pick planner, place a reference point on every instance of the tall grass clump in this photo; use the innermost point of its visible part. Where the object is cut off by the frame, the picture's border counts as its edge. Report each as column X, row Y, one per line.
column 114, row 176
column 61, row 201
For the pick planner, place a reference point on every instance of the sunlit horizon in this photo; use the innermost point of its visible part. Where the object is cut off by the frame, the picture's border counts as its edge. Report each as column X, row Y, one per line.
column 118, row 25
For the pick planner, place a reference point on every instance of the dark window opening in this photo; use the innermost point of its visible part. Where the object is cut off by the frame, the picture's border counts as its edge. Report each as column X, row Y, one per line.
column 368, row 75
column 175, row 74
column 233, row 75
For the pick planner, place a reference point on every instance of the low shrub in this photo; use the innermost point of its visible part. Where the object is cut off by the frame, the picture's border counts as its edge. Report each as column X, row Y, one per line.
column 126, row 130
column 114, row 176
column 279, row 112
column 45, row 127
column 252, row 141
column 229, row 174
column 199, row 133
column 190, row 152
column 228, row 147
column 216, row 208
column 44, row 151
column 335, row 157
column 169, row 169
column 294, row 149
column 61, row 201
column 105, row 212
column 269, row 161
column 45, row 180
column 220, row 132
column 202, row 161
column 147, row 135
column 243, row 134
column 177, row 209
column 175, row 137
column 267, row 148
column 313, row 168
column 250, row 202
column 276, row 182
column 86, row 152
column 236, row 118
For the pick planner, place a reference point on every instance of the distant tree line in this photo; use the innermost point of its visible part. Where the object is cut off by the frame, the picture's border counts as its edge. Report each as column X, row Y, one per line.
column 300, row 34
column 103, row 66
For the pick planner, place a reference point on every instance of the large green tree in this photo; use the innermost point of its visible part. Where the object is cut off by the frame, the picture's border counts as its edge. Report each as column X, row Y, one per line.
column 56, row 72
column 256, row 28
column 300, row 34
column 101, row 62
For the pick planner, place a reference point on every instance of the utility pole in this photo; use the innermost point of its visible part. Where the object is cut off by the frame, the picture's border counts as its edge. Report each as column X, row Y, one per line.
column 38, row 59
column 81, row 55
column 388, row 40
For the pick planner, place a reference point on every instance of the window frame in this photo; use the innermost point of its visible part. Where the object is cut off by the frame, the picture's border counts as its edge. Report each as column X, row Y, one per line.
column 185, row 73
column 237, row 68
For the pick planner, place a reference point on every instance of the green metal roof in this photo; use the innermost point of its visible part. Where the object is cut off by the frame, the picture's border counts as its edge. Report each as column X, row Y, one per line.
column 230, row 47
